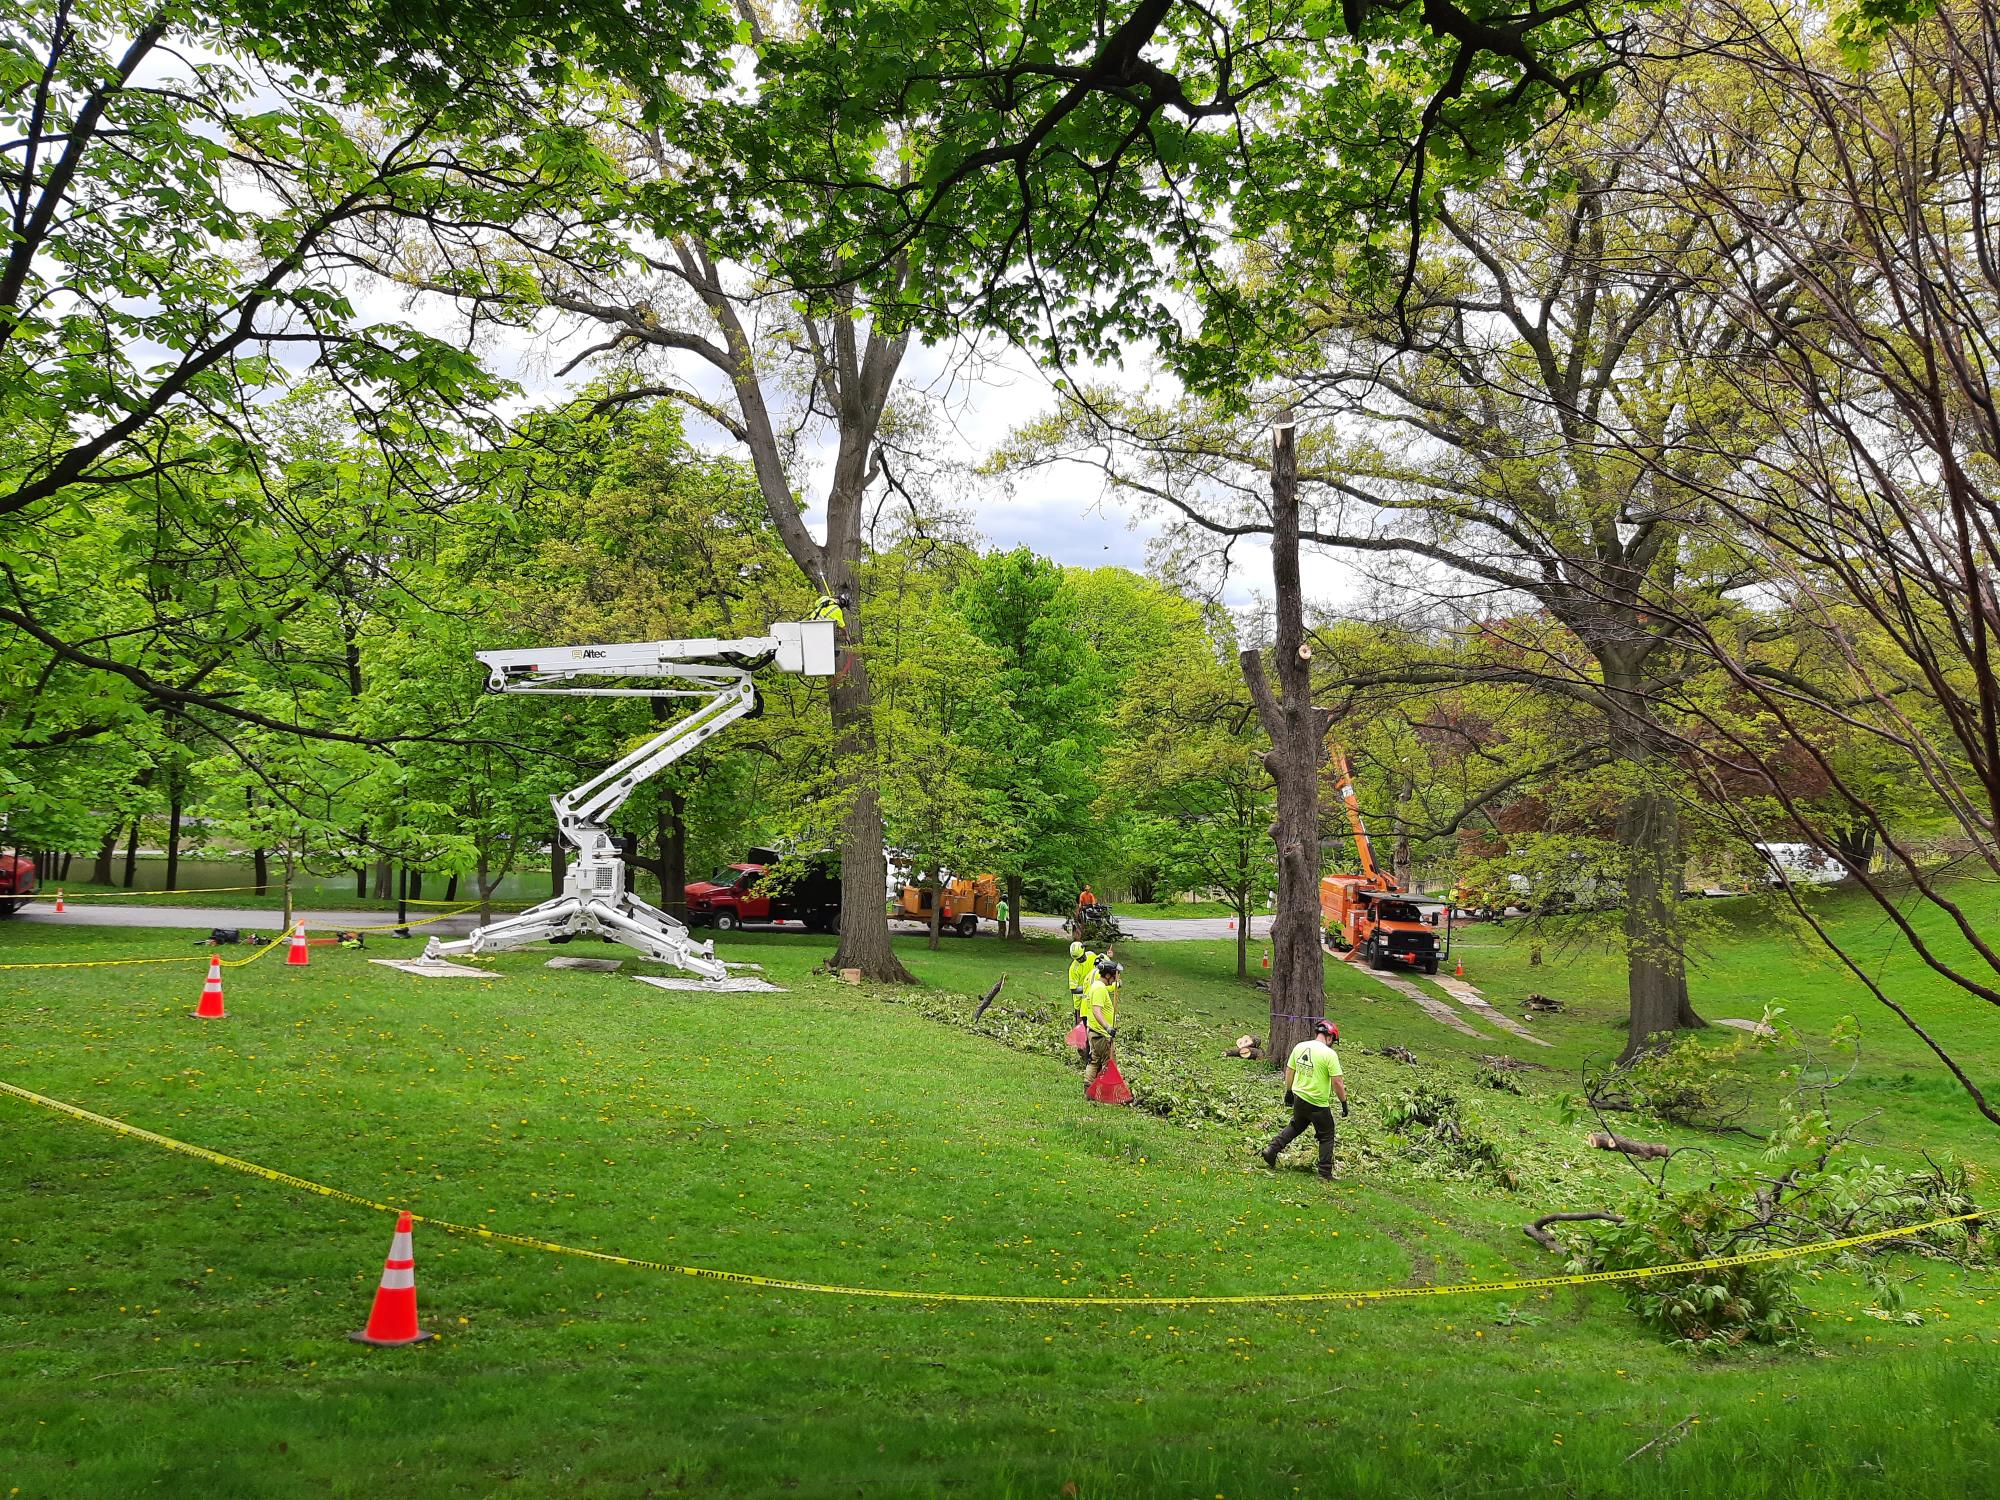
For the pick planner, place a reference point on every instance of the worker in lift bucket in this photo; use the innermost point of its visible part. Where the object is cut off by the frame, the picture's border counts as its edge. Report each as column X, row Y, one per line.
column 1312, row 1082
column 833, row 607
column 1101, row 1018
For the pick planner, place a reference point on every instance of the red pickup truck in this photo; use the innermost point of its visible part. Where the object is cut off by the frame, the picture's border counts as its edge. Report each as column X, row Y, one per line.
column 18, row 882
column 732, row 897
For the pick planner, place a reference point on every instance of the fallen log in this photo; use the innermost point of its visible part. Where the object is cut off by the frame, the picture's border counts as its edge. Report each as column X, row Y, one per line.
column 1604, row 1140
column 1539, row 1230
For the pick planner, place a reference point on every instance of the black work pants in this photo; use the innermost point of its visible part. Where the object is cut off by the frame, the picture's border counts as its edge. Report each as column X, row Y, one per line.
column 1317, row 1117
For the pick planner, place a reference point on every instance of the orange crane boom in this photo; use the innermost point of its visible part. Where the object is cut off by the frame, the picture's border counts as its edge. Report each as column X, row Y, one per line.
column 1362, row 846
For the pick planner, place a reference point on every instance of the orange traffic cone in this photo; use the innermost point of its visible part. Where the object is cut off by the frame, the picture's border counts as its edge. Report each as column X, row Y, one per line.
column 1266, row 960
column 393, row 1320
column 298, row 957
column 210, row 1008
column 1459, row 972
column 1232, row 924
column 59, row 905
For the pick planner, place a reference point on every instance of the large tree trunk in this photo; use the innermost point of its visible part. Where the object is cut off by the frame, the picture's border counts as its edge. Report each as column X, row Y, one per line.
column 1013, row 907
column 100, row 869
column 1242, row 898
column 557, row 863
column 1649, row 833
column 673, row 839
column 131, row 852
column 1297, row 731
column 382, row 887
column 173, row 835
column 864, row 868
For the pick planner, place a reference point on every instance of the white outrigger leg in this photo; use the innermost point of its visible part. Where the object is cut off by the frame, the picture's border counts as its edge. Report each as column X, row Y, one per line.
column 594, row 897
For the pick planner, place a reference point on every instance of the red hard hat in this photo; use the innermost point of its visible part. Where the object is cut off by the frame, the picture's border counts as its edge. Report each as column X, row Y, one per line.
column 1327, row 1029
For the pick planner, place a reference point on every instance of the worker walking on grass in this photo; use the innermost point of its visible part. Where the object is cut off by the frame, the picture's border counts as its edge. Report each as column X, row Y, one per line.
column 1000, row 915
column 1101, row 1018
column 1312, row 1082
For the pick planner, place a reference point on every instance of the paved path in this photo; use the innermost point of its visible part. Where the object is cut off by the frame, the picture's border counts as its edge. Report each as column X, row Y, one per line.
column 258, row 918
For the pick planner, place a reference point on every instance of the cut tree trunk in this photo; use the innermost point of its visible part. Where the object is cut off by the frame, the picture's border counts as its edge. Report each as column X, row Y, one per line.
column 1298, row 732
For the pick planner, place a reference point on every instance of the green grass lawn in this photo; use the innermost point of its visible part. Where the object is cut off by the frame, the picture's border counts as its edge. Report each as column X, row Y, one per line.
column 172, row 1327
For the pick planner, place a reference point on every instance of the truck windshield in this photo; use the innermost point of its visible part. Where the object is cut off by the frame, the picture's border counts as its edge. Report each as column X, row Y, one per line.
column 1396, row 911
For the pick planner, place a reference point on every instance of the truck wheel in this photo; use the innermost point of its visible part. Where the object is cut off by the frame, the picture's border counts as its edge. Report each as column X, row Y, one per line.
column 725, row 921
column 1430, row 966
column 968, row 925
column 1373, row 952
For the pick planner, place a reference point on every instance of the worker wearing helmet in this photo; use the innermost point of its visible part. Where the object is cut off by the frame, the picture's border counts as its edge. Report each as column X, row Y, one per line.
column 1101, row 1017
column 1082, row 968
column 1312, row 1082
column 833, row 607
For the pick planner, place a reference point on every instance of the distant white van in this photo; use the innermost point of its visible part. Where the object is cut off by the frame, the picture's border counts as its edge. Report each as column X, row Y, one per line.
column 1800, row 864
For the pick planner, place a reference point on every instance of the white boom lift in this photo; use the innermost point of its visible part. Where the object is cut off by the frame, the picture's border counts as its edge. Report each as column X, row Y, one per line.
column 594, row 897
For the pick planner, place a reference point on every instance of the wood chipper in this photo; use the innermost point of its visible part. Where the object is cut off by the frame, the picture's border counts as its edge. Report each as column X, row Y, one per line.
column 1369, row 916
column 965, row 902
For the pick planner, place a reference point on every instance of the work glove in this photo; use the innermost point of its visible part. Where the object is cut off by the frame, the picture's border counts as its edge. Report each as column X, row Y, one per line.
column 1343, row 1109
column 1290, row 1098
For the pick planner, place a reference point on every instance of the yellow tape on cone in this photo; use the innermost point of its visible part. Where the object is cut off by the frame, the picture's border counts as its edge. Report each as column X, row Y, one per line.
column 1005, row 1299
column 235, row 963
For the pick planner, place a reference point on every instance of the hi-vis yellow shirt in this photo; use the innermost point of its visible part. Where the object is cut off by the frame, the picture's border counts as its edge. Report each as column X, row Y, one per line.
column 1314, row 1066
column 1080, row 972
column 1104, row 998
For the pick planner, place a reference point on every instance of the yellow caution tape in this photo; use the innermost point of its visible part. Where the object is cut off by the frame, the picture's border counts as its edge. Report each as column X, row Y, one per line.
column 443, row 916
column 1009, row 1299
column 203, row 890
column 236, row 963
column 179, row 958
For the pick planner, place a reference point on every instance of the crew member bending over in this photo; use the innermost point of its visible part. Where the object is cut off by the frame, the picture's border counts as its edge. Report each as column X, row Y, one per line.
column 1312, row 1081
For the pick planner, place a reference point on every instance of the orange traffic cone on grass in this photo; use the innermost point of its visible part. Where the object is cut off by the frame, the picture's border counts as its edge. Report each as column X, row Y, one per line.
column 59, row 905
column 1459, row 972
column 210, row 1008
column 297, row 957
column 393, row 1320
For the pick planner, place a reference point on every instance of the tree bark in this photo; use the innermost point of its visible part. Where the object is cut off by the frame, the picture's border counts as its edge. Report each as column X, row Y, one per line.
column 673, row 852
column 451, row 888
column 1297, row 731
column 1243, row 935
column 1650, row 836
column 556, row 860
column 173, row 834
column 382, row 889
column 131, row 852
column 360, row 882
column 100, row 869
column 864, row 867
column 1013, row 906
